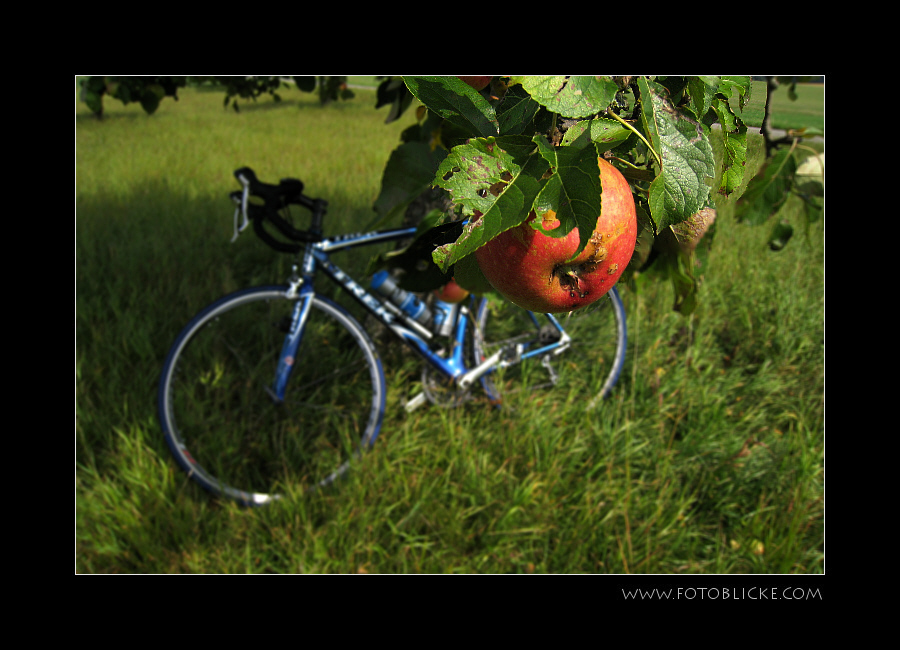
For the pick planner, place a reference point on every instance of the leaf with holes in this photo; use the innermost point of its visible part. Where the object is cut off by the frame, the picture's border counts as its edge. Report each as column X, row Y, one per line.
column 496, row 181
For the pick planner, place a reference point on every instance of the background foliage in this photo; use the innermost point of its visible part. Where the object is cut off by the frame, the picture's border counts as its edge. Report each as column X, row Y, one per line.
column 530, row 144
column 149, row 91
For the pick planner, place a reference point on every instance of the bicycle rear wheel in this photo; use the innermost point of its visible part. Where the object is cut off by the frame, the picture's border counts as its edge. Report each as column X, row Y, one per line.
column 219, row 414
column 589, row 367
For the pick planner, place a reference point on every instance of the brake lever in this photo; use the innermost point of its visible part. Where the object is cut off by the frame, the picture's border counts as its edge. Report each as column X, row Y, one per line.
column 240, row 209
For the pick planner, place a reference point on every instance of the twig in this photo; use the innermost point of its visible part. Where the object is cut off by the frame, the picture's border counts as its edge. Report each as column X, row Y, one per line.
column 636, row 132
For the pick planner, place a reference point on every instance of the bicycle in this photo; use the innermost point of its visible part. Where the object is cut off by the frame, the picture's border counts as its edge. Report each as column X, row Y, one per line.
column 276, row 380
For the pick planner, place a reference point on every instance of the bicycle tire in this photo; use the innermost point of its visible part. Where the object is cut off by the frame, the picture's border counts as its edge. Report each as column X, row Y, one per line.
column 216, row 408
column 591, row 366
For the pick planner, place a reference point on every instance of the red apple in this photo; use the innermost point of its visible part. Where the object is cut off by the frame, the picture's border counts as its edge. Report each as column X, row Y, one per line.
column 451, row 292
column 476, row 82
column 536, row 272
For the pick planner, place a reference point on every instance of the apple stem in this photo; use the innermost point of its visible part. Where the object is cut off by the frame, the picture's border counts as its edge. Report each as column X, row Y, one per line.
column 569, row 280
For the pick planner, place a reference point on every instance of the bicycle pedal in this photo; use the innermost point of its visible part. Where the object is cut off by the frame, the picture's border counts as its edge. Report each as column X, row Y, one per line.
column 415, row 402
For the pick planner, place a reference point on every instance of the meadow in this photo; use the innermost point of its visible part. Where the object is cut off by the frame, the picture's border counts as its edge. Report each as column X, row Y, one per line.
column 707, row 459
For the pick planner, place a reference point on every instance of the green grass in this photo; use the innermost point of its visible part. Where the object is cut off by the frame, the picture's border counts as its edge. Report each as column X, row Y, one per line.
column 707, row 459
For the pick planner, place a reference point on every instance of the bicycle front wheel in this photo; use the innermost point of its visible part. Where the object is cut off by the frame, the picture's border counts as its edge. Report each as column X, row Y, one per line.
column 221, row 418
column 589, row 367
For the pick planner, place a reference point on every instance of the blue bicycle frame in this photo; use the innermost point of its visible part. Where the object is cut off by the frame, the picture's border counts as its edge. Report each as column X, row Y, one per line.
column 316, row 257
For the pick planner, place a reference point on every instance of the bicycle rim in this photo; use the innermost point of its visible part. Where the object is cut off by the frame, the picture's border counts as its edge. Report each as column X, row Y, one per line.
column 219, row 415
column 589, row 369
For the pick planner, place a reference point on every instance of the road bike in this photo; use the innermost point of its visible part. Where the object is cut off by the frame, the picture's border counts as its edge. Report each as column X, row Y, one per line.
column 272, row 387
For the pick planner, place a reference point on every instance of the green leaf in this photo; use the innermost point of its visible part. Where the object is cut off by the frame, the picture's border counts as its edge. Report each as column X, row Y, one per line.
column 813, row 208
column 495, row 181
column 676, row 263
column 573, row 191
column 456, row 102
column 703, row 90
column 570, row 96
column 768, row 190
column 516, row 113
column 605, row 134
column 409, row 171
column 734, row 137
column 643, row 246
column 394, row 93
column 469, row 276
column 419, row 272
column 742, row 84
column 680, row 189
column 684, row 283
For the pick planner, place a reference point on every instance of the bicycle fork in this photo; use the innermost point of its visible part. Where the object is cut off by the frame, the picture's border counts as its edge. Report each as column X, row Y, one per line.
column 288, row 356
